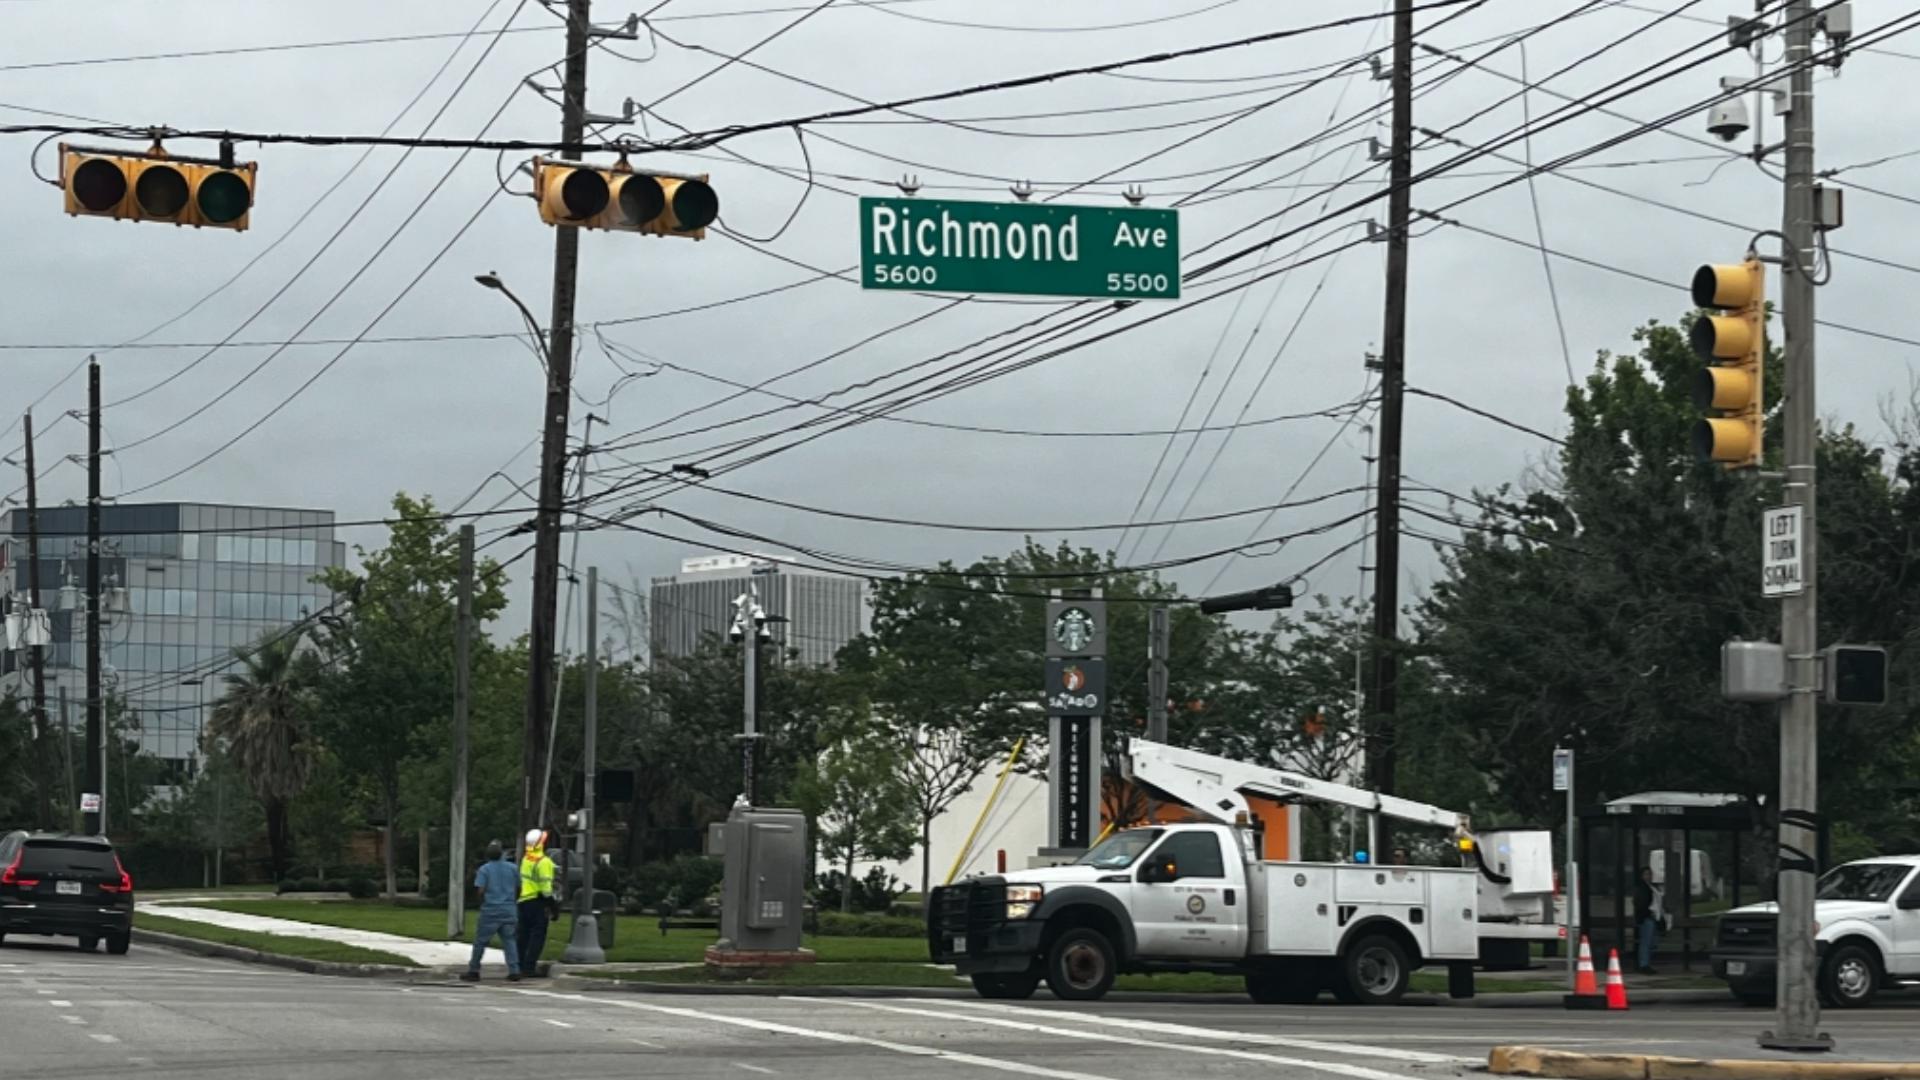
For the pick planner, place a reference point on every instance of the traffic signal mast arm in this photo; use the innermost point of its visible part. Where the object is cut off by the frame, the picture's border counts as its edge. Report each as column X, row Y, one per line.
column 1217, row 787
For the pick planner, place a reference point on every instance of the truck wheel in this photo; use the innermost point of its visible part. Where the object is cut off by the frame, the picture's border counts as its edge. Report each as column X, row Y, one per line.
column 1283, row 986
column 1850, row 977
column 1080, row 965
column 1374, row 970
column 1007, row 987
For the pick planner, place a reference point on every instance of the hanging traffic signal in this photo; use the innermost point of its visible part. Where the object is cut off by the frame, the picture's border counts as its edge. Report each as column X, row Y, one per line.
column 1734, row 344
column 157, row 186
column 620, row 199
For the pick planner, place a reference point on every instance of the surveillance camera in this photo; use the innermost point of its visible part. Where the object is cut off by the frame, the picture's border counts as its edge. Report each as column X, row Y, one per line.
column 1727, row 120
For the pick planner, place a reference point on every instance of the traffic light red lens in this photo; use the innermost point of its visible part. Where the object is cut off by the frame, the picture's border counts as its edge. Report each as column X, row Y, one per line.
column 583, row 193
column 99, row 184
column 695, row 205
column 161, row 191
column 641, row 199
column 222, row 197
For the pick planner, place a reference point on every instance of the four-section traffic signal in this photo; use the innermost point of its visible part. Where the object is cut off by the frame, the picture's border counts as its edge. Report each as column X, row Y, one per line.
column 570, row 193
column 156, row 186
column 1734, row 344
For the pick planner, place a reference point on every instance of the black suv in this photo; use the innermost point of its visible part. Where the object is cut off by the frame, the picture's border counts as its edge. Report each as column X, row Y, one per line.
column 63, row 883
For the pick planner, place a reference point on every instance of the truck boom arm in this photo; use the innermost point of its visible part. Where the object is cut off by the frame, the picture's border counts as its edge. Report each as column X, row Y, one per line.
column 1214, row 786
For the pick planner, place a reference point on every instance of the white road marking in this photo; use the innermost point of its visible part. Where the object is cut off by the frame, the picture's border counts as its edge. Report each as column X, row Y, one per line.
column 754, row 1068
column 143, row 1062
column 1412, row 1057
column 102, row 1037
column 997, row 1064
column 645, row 1043
column 1356, row 1072
column 555, row 1023
column 44, row 993
column 58, row 1004
column 72, row 1019
column 498, row 1008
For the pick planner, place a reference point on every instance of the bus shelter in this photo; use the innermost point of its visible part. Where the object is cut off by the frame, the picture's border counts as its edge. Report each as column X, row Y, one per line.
column 1708, row 853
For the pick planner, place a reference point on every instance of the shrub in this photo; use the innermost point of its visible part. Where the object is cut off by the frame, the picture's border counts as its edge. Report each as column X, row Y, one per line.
column 686, row 882
column 311, row 885
column 362, row 888
column 837, row 924
column 876, row 892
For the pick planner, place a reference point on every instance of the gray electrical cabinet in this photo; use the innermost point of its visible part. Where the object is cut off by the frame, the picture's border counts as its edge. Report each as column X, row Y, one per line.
column 762, row 897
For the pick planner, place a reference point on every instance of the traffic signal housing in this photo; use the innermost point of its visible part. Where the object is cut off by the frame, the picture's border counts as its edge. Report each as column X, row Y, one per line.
column 1733, row 342
column 619, row 199
column 156, row 186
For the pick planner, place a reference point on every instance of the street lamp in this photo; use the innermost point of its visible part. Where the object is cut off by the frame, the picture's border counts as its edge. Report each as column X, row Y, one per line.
column 492, row 281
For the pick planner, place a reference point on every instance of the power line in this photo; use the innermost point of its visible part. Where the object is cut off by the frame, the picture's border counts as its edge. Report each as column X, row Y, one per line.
column 1157, row 20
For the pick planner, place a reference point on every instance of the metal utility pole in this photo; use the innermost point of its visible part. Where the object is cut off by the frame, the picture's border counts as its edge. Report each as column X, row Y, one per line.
column 553, row 442
column 36, row 653
column 749, row 624
column 94, row 823
column 1383, row 689
column 1799, row 1007
column 584, row 946
column 1159, row 638
column 462, row 704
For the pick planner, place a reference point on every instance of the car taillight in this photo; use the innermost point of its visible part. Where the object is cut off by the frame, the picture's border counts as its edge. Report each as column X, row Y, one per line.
column 126, row 881
column 11, row 875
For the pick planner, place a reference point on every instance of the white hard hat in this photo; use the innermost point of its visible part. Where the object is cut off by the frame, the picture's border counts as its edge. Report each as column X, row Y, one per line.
column 533, row 837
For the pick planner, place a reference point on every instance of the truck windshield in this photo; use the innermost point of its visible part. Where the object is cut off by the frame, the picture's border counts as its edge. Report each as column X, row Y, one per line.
column 1118, row 851
column 1862, row 881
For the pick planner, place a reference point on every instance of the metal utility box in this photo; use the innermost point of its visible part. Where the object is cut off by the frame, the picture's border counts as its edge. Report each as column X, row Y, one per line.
column 764, row 891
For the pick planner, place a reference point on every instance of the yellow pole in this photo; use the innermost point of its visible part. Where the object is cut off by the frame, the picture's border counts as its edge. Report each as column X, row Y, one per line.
column 992, row 797
column 1103, row 834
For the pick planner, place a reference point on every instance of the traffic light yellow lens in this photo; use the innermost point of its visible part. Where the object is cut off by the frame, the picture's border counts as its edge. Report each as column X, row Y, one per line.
column 583, row 193
column 161, row 191
column 695, row 205
column 641, row 199
column 99, row 184
column 222, row 197
column 1722, row 440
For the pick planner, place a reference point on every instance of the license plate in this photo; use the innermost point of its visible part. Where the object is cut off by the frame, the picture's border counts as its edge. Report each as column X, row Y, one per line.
column 67, row 888
column 1736, row 967
column 959, row 945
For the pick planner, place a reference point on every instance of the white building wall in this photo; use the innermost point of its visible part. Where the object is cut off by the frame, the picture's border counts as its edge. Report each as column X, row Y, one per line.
column 1017, row 825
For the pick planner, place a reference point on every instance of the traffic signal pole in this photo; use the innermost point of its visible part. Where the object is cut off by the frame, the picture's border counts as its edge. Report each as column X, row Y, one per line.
column 94, row 822
column 1796, row 1026
column 1383, row 688
column 553, row 446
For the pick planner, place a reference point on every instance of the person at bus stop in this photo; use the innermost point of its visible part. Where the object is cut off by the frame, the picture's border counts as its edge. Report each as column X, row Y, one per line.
column 538, row 907
column 1649, row 912
column 499, row 886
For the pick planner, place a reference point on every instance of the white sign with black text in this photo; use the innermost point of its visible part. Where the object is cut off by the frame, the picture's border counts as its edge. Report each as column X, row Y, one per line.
column 1782, row 552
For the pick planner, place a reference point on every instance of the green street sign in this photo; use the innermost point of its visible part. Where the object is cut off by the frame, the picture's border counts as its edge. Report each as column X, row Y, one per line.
column 1030, row 249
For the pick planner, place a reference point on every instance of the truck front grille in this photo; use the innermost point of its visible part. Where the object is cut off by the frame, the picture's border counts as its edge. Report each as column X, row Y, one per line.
column 1755, row 933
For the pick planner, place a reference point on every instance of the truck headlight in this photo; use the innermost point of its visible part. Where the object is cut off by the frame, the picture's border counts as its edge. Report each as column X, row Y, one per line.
column 1022, row 899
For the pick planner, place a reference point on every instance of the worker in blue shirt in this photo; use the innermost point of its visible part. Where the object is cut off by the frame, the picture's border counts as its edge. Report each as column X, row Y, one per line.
column 498, row 882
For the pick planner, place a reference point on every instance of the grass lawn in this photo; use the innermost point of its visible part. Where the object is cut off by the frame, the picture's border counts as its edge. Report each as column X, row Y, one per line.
column 306, row 948
column 637, row 939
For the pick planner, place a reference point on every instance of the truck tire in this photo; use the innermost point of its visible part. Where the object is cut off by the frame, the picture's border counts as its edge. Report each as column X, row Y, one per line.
column 1003, row 987
column 1290, row 985
column 1373, row 971
column 1850, row 977
column 1080, row 965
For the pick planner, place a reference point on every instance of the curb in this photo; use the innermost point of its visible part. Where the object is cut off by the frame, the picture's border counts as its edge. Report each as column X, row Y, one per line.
column 1571, row 1065
column 255, row 956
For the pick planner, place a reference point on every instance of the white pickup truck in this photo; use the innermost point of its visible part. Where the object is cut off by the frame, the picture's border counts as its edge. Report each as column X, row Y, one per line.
column 1866, row 933
column 1198, row 897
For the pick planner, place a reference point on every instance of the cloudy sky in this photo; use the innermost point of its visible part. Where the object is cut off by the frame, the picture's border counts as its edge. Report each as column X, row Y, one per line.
column 340, row 236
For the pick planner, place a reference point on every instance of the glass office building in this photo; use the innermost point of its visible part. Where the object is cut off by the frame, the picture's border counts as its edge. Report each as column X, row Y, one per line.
column 183, row 585
column 821, row 612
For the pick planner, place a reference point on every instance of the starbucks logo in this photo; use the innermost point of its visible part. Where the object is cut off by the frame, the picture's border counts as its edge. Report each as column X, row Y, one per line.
column 1074, row 629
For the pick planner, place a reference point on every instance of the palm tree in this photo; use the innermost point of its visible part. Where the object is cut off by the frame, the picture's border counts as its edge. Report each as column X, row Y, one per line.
column 261, row 719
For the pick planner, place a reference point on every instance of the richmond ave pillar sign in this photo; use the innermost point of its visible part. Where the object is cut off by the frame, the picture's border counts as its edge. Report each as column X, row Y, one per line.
column 1028, row 249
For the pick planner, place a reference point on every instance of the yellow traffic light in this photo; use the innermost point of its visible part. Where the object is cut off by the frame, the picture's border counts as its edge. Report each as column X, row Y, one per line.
column 622, row 200
column 155, row 186
column 1735, row 348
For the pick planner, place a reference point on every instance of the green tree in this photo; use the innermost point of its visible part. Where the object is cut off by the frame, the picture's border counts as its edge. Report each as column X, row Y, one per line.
column 861, row 808
column 261, row 724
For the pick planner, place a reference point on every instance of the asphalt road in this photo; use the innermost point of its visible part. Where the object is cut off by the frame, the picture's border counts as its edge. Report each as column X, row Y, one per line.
column 155, row 1012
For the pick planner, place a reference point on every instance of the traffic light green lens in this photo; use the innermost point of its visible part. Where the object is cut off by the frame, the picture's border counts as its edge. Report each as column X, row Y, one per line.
column 222, row 197
column 161, row 191
column 695, row 205
column 99, row 184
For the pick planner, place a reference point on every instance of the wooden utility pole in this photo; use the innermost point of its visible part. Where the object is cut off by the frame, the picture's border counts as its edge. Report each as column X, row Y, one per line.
column 1383, row 688
column 95, row 822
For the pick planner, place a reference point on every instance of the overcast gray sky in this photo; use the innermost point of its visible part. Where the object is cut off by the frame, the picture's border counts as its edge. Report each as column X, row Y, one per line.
column 438, row 417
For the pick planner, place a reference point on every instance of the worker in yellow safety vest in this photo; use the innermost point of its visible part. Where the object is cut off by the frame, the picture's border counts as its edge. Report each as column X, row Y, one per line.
column 537, row 904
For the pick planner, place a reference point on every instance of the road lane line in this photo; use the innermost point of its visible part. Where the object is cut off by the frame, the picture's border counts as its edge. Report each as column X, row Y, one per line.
column 58, row 1004
column 44, row 993
column 555, row 1023
column 1411, row 1057
column 773, row 1026
column 72, row 1019
column 102, row 1037
column 754, row 1068
column 645, row 1043
column 1356, row 1072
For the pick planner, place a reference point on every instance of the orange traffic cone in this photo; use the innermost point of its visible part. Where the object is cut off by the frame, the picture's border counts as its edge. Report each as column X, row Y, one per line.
column 1616, row 984
column 1586, row 990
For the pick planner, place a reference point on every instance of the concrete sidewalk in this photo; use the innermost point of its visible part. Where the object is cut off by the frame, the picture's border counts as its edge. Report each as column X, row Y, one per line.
column 433, row 954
